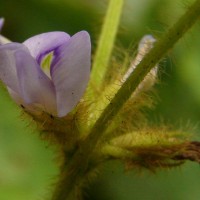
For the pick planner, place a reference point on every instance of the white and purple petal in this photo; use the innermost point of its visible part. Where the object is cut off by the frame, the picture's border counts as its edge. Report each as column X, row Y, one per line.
column 35, row 86
column 8, row 73
column 70, row 71
column 44, row 43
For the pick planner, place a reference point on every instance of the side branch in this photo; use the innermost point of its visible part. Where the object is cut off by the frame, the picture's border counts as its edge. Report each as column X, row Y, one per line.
column 153, row 157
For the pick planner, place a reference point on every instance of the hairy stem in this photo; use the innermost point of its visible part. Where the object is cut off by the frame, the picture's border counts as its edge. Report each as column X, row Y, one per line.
column 67, row 187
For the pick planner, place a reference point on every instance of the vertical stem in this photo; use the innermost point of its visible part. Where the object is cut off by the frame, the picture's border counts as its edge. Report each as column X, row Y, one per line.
column 67, row 189
column 106, row 41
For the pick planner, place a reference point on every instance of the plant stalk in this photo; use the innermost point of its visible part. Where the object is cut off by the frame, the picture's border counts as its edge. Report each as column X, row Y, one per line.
column 106, row 41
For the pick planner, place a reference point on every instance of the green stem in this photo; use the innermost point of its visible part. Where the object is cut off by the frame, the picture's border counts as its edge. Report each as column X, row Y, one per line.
column 106, row 41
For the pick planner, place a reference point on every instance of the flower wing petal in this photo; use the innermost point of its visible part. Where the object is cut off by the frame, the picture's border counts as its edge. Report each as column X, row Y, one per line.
column 70, row 72
column 35, row 86
column 44, row 43
column 8, row 72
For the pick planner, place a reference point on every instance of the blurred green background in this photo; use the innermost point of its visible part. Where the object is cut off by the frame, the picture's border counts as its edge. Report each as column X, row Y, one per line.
column 27, row 165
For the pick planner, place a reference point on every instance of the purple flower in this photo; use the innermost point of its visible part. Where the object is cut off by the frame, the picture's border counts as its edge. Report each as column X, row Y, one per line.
column 48, row 72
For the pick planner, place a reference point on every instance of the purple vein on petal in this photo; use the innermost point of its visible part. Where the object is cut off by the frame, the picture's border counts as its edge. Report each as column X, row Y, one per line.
column 44, row 43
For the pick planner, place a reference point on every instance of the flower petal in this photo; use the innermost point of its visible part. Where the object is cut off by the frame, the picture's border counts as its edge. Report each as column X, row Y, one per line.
column 1, row 23
column 44, row 43
column 8, row 72
column 70, row 71
column 35, row 86
column 15, row 96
